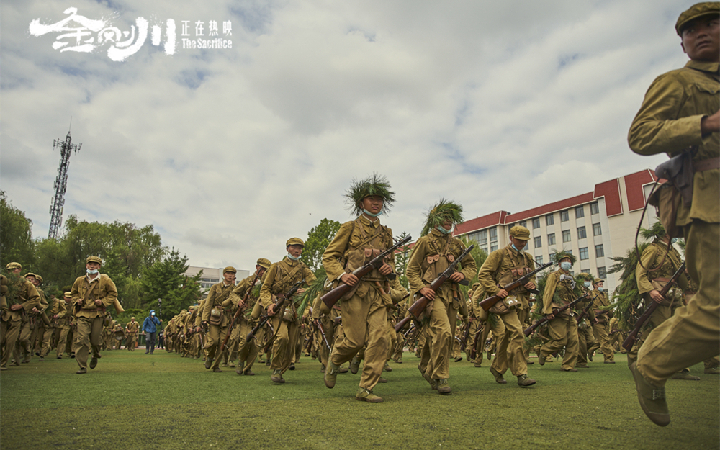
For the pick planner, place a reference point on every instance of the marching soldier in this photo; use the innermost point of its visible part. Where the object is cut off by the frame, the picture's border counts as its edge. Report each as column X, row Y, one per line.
column 280, row 278
column 132, row 329
column 586, row 339
column 64, row 320
column 21, row 299
column 91, row 295
column 602, row 320
column 502, row 267
column 58, row 309
column 364, row 310
column 217, row 318
column 432, row 254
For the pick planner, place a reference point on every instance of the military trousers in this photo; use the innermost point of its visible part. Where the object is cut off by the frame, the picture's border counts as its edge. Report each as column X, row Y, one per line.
column 213, row 339
column 601, row 336
column 364, row 318
column 247, row 349
column 12, row 331
column 586, row 340
column 88, row 337
column 46, row 340
column 392, row 339
column 692, row 334
column 563, row 334
column 440, row 334
column 323, row 350
column 509, row 351
column 657, row 318
column 283, row 347
column 131, row 341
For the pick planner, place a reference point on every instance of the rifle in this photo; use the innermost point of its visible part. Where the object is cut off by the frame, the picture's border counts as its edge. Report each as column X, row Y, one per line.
column 522, row 281
column 478, row 335
column 420, row 304
column 238, row 313
column 322, row 332
column 531, row 329
column 335, row 294
column 584, row 312
column 466, row 334
column 278, row 305
column 410, row 330
column 632, row 337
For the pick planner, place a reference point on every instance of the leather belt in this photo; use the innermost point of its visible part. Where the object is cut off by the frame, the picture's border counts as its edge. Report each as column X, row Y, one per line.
column 706, row 164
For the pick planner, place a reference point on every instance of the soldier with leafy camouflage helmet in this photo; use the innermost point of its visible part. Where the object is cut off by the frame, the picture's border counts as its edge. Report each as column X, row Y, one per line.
column 560, row 289
column 431, row 255
column 502, row 267
column 364, row 308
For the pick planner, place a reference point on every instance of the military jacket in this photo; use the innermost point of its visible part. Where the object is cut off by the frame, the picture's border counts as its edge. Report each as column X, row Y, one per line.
column 218, row 294
column 281, row 277
column 85, row 292
column 132, row 328
column 669, row 122
column 657, row 279
column 558, row 291
column 21, row 292
column 241, row 290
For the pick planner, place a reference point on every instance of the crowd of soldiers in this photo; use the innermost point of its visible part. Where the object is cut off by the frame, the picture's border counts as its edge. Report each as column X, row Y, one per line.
column 353, row 315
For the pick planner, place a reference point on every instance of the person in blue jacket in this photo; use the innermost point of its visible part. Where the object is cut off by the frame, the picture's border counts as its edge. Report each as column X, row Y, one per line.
column 150, row 328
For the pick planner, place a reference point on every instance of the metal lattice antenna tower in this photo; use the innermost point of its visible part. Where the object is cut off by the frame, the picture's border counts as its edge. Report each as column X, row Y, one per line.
column 56, row 209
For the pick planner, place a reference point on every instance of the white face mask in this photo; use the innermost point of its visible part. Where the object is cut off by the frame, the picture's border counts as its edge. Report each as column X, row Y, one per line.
column 91, row 271
column 371, row 214
column 566, row 265
column 443, row 230
column 292, row 257
column 587, row 284
column 600, row 288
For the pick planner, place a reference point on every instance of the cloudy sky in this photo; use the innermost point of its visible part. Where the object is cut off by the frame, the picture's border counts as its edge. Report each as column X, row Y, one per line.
column 228, row 152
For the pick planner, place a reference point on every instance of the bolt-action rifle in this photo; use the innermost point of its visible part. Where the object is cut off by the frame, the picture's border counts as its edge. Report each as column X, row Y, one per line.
column 337, row 293
column 278, row 307
column 632, row 337
column 241, row 309
column 531, row 329
column 318, row 325
column 522, row 281
column 420, row 304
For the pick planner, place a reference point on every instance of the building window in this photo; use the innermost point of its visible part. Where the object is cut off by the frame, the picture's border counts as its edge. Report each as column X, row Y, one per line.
column 551, row 239
column 594, row 209
column 579, row 211
column 549, row 220
column 601, row 272
column 493, row 234
column 523, row 223
column 585, row 271
column 564, row 216
column 538, row 241
column 584, row 253
column 539, row 260
column 566, row 235
column 493, row 246
column 536, row 223
column 484, row 248
column 483, row 236
column 599, row 251
column 597, row 231
column 581, row 233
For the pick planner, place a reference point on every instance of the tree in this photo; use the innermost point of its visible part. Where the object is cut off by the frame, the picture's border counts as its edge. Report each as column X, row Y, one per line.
column 165, row 280
column 402, row 257
column 318, row 239
column 16, row 242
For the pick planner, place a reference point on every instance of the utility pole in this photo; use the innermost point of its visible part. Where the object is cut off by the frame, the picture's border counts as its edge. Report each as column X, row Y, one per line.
column 56, row 208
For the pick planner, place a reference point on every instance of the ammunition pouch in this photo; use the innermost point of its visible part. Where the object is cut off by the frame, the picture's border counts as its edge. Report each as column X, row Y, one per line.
column 216, row 315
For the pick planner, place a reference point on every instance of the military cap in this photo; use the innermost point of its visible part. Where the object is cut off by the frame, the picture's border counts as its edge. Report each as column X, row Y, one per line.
column 95, row 259
column 695, row 11
column 263, row 262
column 295, row 241
column 229, row 269
column 67, row 294
column 13, row 266
column 132, row 318
column 39, row 278
column 559, row 256
column 520, row 232
column 30, row 274
column 598, row 280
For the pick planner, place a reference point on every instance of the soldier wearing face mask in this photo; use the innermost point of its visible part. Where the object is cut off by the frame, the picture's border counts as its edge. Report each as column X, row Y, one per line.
column 586, row 338
column 559, row 291
column 602, row 321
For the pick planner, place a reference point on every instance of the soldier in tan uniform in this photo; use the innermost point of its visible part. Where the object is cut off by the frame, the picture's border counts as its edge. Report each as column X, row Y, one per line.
column 280, row 278
column 57, row 310
column 502, row 267
column 602, row 321
column 586, row 338
column 679, row 114
column 64, row 320
column 216, row 318
column 431, row 255
column 364, row 309
column 91, row 295
column 246, row 350
column 21, row 299
column 132, row 329
column 559, row 291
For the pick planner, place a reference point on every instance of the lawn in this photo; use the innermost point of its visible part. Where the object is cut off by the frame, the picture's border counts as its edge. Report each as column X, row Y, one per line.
column 133, row 400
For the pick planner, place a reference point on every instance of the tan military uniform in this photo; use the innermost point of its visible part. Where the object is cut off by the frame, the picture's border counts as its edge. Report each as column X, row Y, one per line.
column 563, row 328
column 279, row 279
column 668, row 122
column 132, row 329
column 218, row 319
column 364, row 309
column 247, row 350
column 89, row 316
column 586, row 337
column 23, row 293
column 58, row 309
column 63, row 323
column 602, row 327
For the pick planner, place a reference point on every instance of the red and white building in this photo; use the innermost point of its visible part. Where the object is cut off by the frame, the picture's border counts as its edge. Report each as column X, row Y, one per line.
column 594, row 226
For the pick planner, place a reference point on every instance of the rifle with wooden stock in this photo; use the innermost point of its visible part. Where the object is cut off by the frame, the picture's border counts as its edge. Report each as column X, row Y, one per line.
column 584, row 312
column 278, row 306
column 520, row 282
column 632, row 337
column 420, row 304
column 241, row 309
column 336, row 294
column 531, row 329
column 319, row 326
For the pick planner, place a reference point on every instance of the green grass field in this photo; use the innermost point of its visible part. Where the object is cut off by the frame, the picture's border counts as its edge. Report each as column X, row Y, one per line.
column 133, row 400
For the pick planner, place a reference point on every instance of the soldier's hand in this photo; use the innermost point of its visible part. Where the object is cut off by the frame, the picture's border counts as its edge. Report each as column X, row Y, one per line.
column 708, row 124
column 427, row 293
column 301, row 291
column 530, row 285
column 655, row 295
column 16, row 307
column 55, row 316
column 349, row 279
column 457, row 277
column 271, row 310
column 98, row 303
column 502, row 293
column 385, row 269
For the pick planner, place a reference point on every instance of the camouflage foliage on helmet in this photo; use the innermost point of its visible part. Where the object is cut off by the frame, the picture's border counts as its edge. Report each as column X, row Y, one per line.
column 559, row 256
column 439, row 213
column 373, row 185
column 656, row 231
